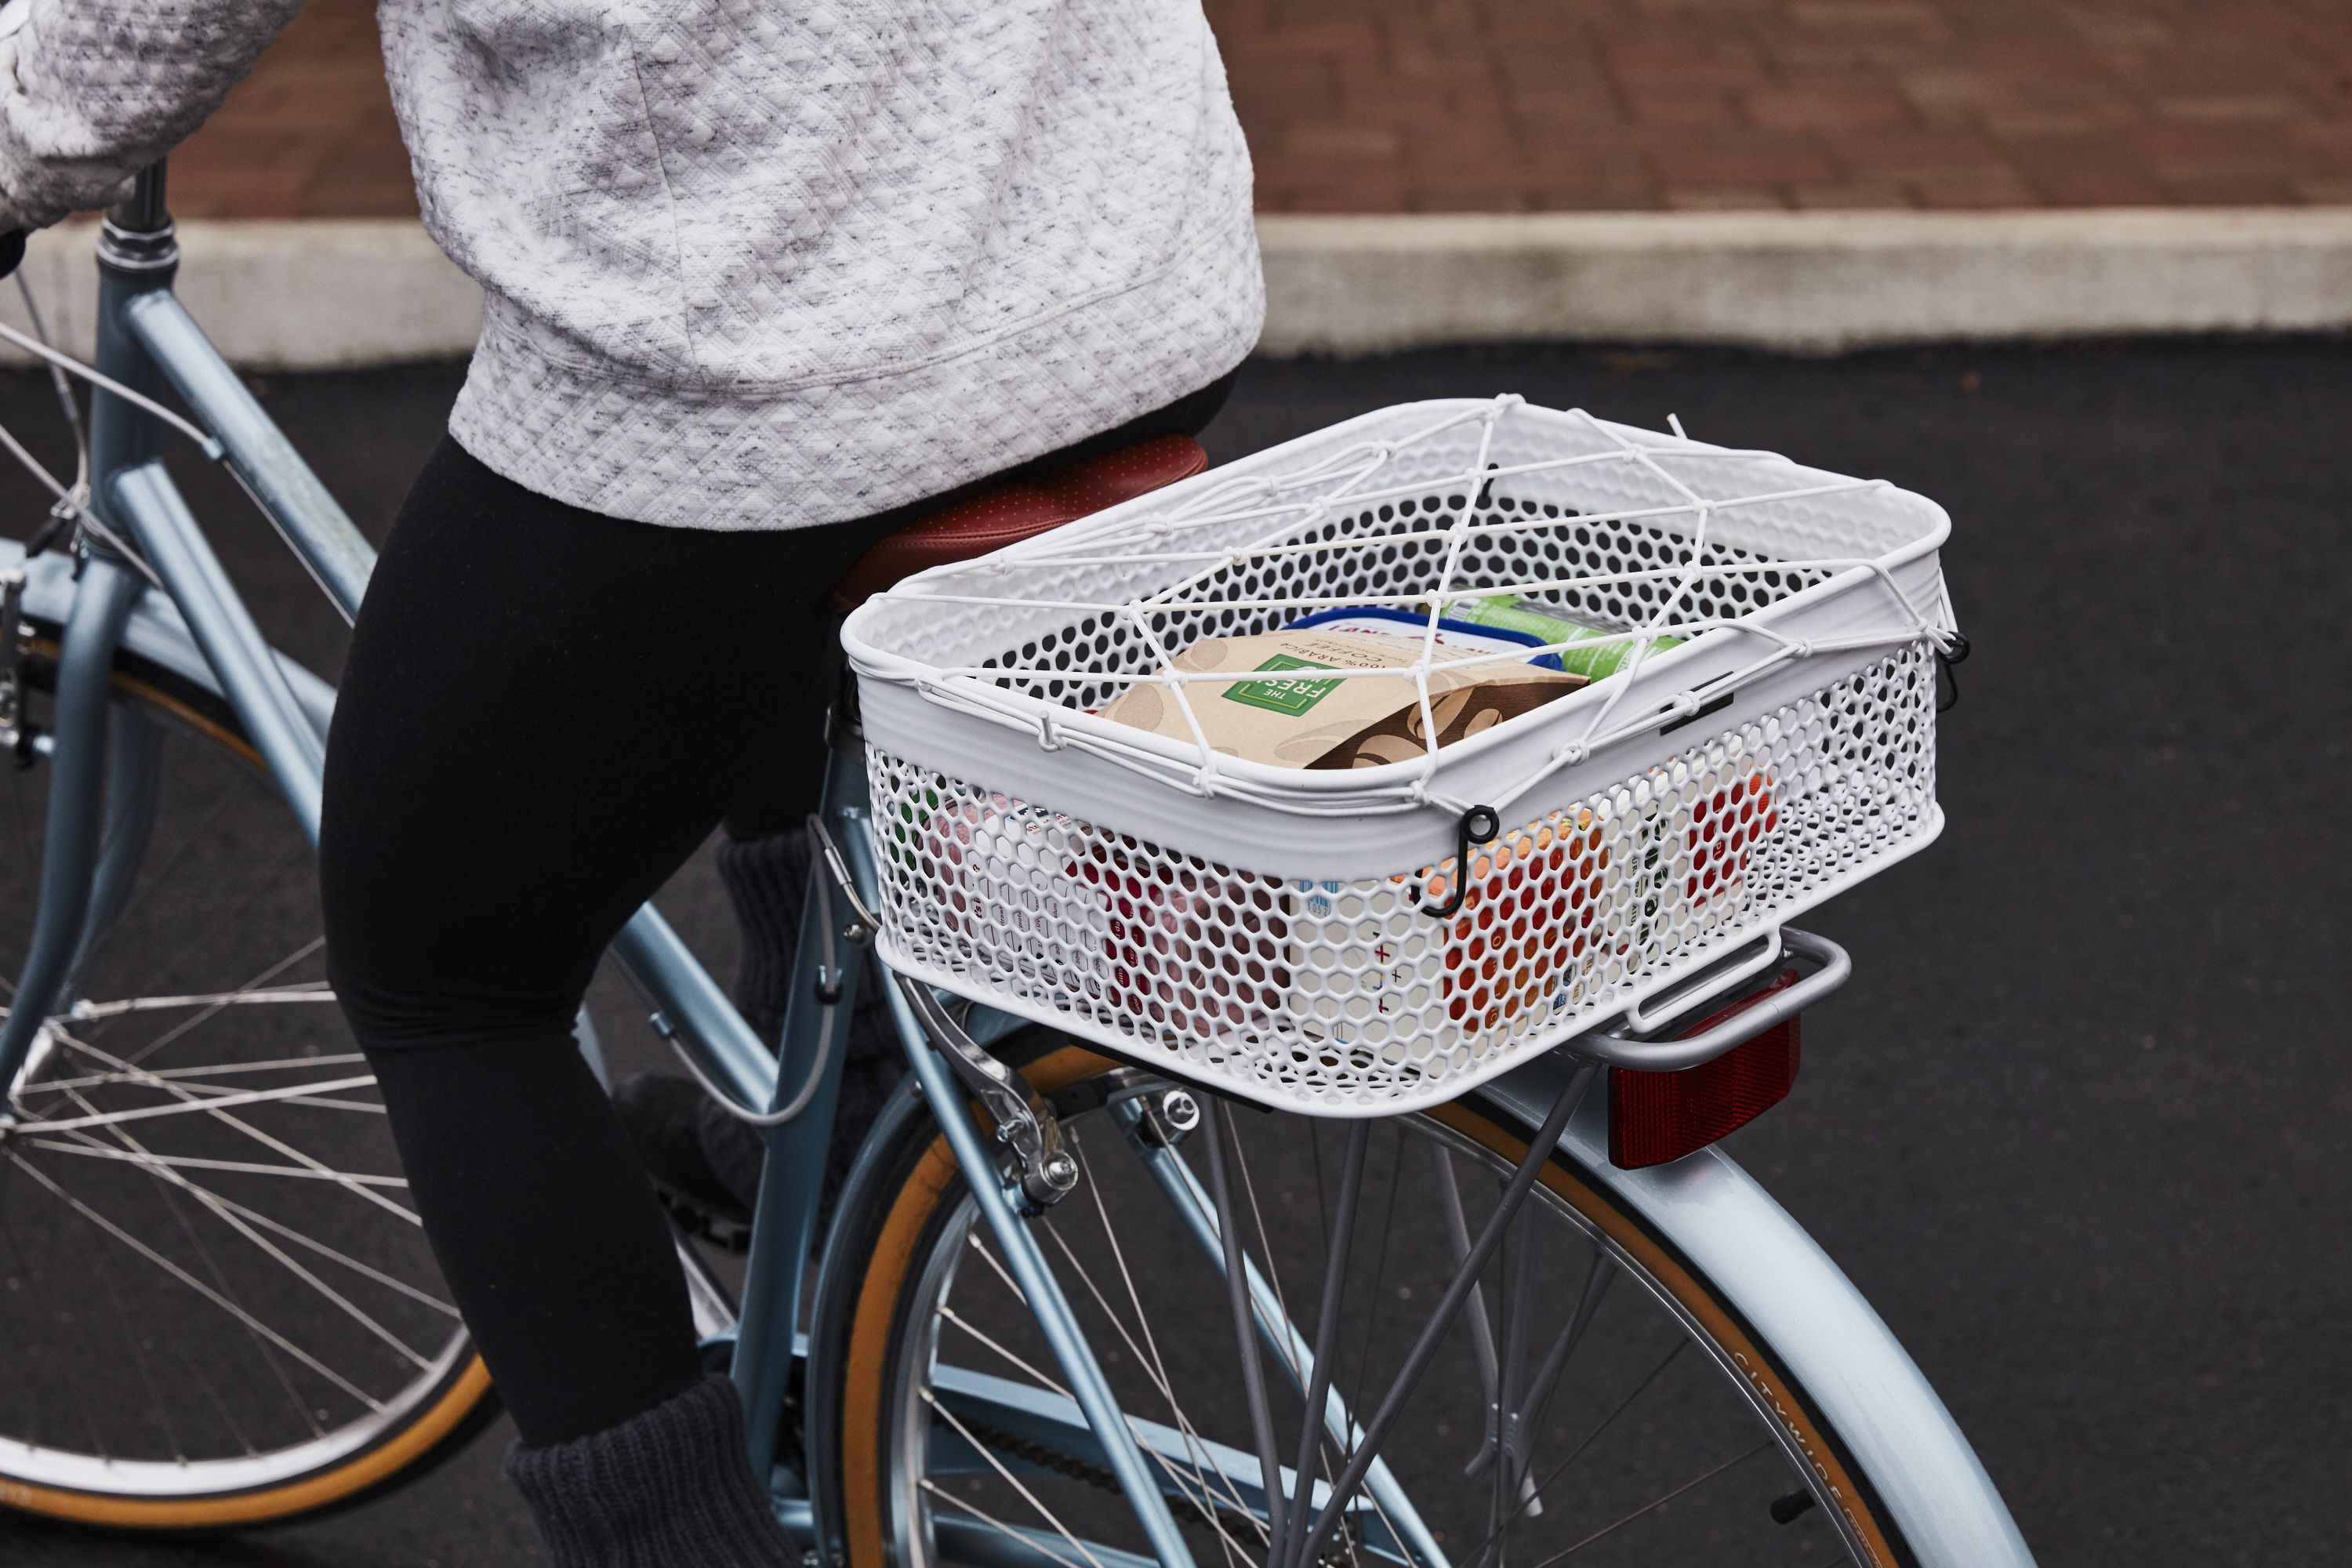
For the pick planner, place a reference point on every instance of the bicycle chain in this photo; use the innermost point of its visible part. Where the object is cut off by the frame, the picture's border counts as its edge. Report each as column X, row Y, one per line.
column 1062, row 1463
column 1342, row 1550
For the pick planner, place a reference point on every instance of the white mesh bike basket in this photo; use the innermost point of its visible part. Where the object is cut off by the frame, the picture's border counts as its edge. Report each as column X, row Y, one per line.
column 1269, row 929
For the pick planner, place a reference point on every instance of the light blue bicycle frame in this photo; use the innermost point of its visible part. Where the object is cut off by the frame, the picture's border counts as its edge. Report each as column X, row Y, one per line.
column 1931, row 1484
column 148, row 343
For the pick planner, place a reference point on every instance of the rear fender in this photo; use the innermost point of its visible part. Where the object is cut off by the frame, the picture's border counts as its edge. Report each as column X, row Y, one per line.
column 1798, row 1303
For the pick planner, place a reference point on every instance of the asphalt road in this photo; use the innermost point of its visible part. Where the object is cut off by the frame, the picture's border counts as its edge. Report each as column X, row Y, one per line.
column 2076, row 1128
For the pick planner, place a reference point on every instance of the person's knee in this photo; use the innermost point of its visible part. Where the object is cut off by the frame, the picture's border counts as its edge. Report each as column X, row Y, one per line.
column 400, row 1001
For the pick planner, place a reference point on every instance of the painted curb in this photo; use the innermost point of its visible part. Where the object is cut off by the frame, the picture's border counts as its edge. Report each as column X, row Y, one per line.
column 1802, row 281
column 279, row 294
column 341, row 293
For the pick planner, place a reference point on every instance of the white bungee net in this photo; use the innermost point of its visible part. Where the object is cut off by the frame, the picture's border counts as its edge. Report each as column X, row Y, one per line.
column 1347, row 996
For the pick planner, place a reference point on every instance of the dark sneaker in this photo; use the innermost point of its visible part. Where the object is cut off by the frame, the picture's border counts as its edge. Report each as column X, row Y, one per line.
column 705, row 1164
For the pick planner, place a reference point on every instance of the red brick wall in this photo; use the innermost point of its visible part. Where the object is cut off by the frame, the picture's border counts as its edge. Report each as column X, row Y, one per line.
column 1511, row 105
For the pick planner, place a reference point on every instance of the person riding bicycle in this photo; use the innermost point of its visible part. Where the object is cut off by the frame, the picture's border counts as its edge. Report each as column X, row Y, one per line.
column 762, row 285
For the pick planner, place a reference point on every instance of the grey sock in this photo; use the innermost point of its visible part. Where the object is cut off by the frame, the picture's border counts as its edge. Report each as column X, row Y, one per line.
column 670, row 1488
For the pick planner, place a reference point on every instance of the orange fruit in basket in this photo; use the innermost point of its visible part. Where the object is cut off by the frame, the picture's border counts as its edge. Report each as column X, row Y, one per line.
column 1525, row 920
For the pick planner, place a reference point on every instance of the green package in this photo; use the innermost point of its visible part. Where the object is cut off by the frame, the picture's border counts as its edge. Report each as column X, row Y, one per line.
column 1509, row 612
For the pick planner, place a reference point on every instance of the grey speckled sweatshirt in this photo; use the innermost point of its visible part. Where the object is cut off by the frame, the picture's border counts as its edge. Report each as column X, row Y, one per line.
column 749, row 263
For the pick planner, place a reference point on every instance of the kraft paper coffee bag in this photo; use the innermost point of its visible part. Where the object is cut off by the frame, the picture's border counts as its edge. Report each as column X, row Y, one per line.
column 1289, row 717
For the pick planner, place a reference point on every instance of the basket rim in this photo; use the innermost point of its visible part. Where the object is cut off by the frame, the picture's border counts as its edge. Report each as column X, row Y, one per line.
column 1169, row 757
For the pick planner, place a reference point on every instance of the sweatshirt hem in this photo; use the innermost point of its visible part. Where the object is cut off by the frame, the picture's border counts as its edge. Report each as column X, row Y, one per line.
column 828, row 449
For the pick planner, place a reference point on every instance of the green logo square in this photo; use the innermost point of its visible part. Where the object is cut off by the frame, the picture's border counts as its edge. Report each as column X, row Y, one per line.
column 1291, row 697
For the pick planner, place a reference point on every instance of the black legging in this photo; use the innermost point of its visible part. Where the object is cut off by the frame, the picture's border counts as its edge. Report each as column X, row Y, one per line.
column 544, row 712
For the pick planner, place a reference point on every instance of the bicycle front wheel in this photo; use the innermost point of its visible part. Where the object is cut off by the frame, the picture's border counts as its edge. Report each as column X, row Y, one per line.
column 216, row 1307
column 1596, row 1401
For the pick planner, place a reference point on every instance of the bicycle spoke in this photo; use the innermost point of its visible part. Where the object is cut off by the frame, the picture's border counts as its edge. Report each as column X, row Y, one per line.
column 259, row 1341
column 1157, row 1381
column 1587, row 1441
column 1527, row 1423
column 1266, row 1250
column 422, row 1297
column 1340, row 1235
column 300, row 991
column 193, row 1283
column 1653, row 1506
column 1244, row 1315
column 196, row 1163
column 40, row 1305
column 248, row 988
column 161, row 874
column 195, row 1106
column 190, row 1075
column 1482, row 1332
column 948, row 1314
column 359, row 1188
column 1158, row 1367
column 163, row 1173
column 131, row 1337
column 1513, row 1345
column 1021, row 1537
column 985, row 1452
column 989, row 1259
column 1380, row 1274
column 252, row 896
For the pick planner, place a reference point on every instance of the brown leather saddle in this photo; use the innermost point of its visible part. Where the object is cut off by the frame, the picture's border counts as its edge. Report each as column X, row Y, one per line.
column 996, row 515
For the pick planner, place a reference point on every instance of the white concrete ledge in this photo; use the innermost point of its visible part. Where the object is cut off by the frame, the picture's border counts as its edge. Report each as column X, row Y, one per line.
column 1805, row 281
column 330, row 293
column 294, row 294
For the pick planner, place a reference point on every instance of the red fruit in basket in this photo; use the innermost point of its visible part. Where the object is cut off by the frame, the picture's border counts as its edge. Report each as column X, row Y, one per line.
column 1723, row 835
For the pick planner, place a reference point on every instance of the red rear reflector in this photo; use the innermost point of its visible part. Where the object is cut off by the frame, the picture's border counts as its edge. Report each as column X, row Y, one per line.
column 1654, row 1117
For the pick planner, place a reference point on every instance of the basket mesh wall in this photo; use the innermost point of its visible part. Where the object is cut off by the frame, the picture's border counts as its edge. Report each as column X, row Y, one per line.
column 1348, row 993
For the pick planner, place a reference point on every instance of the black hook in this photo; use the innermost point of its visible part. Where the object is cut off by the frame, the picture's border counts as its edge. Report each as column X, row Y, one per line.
column 1945, row 680
column 1479, row 824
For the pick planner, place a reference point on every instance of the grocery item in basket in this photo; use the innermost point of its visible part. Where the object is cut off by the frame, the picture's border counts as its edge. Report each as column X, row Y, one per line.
column 998, row 870
column 999, row 859
column 1725, row 828
column 1534, row 917
column 1530, row 923
column 1461, row 637
column 1695, row 832
column 1508, row 612
column 1190, row 951
column 1295, row 720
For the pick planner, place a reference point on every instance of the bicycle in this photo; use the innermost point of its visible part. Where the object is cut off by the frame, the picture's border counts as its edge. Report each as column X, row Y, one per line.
column 1056, row 1329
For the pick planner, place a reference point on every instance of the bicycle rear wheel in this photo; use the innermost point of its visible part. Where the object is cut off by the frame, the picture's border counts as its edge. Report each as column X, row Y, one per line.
column 217, row 1308
column 1596, row 1401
